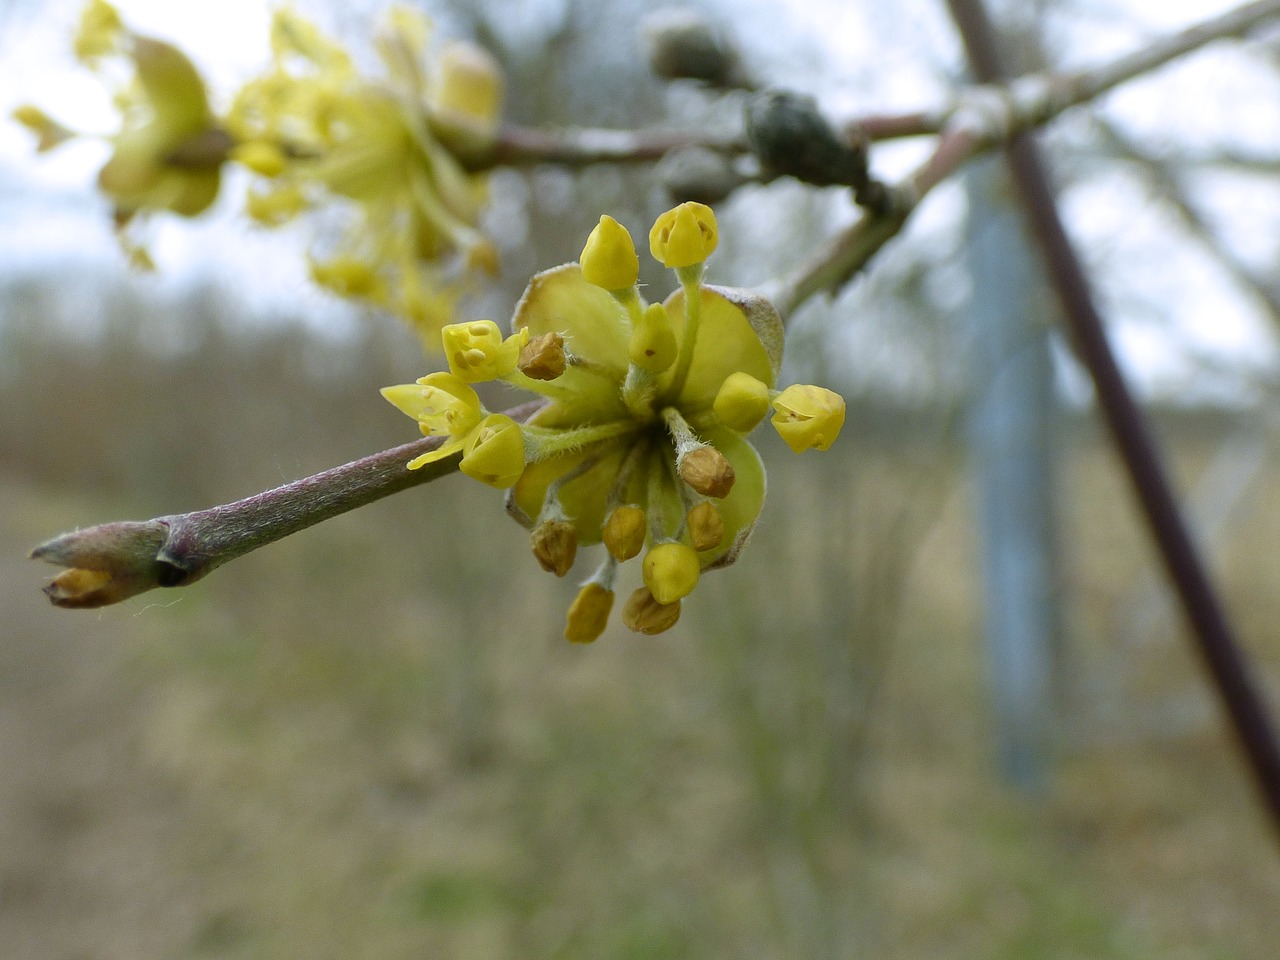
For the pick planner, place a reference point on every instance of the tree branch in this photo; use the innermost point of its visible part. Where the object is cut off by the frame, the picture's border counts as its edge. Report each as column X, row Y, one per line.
column 115, row 561
column 979, row 119
column 579, row 147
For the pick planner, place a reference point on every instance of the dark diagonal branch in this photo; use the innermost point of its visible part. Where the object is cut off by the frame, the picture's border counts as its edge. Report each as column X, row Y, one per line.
column 1227, row 665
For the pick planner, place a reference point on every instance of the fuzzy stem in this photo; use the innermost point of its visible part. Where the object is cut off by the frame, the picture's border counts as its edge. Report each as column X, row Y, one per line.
column 115, row 561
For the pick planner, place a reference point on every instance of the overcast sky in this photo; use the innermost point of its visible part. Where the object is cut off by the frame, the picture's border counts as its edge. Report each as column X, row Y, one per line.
column 866, row 58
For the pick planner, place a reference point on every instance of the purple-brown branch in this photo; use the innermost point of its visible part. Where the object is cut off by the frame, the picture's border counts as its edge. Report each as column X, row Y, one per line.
column 115, row 561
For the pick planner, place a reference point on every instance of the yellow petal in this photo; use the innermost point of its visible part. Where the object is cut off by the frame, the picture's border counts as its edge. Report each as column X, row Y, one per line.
column 728, row 342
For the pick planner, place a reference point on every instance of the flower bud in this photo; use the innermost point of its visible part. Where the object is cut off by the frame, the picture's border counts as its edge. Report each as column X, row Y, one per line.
column 469, row 86
column 542, row 358
column 684, row 235
column 261, row 157
column 644, row 614
column 671, row 571
column 476, row 350
column 555, row 544
column 706, row 470
column 742, row 402
column 609, row 259
column 706, row 526
column 808, row 417
column 624, row 532
column 588, row 614
column 653, row 342
column 494, row 452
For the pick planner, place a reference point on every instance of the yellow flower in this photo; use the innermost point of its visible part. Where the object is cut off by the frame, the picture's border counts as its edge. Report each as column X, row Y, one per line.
column 477, row 351
column 444, row 406
column 466, row 99
column 378, row 154
column 623, row 451
column 101, row 32
column 684, row 235
column 808, row 417
column 170, row 149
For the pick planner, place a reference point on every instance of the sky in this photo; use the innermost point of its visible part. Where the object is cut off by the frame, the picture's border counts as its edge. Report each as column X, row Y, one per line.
column 1169, row 305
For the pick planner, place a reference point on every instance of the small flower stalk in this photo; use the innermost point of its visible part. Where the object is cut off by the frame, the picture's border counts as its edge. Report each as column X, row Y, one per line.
column 640, row 444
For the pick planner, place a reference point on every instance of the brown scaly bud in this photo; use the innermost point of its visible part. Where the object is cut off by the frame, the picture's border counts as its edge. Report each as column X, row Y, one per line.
column 110, row 563
column 542, row 358
column 643, row 614
column 707, row 471
column 706, row 526
column 555, row 544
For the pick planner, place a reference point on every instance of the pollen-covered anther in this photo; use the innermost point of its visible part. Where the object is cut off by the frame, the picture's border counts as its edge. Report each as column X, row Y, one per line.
column 589, row 613
column 671, row 571
column 555, row 544
column 477, row 351
column 706, row 470
column 642, row 613
column 706, row 526
column 624, row 532
column 543, row 358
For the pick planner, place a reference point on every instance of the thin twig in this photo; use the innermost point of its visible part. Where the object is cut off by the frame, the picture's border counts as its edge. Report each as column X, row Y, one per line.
column 977, row 120
column 115, row 561
column 1167, row 184
column 580, row 147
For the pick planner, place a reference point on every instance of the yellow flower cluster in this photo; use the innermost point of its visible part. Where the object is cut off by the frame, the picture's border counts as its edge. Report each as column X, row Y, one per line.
column 319, row 134
column 382, row 151
column 640, row 441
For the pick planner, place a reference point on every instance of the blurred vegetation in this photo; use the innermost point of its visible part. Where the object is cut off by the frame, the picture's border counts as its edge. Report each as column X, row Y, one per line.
column 370, row 740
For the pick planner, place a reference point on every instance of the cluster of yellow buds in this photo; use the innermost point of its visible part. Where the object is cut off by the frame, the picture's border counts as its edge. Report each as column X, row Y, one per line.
column 641, row 439
column 319, row 134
